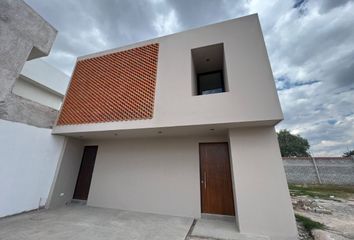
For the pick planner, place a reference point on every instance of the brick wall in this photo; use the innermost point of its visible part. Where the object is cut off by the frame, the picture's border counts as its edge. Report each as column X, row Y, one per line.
column 118, row 86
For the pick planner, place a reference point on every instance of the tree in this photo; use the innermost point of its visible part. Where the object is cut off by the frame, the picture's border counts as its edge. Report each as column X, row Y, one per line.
column 349, row 153
column 292, row 145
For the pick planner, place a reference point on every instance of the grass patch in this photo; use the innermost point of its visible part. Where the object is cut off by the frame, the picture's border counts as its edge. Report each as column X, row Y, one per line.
column 309, row 224
column 322, row 191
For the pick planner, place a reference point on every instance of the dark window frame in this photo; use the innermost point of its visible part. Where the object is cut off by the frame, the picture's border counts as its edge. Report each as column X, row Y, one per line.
column 199, row 92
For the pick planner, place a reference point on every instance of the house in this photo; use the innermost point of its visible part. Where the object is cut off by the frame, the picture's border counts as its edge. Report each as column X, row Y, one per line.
column 41, row 83
column 180, row 125
column 31, row 92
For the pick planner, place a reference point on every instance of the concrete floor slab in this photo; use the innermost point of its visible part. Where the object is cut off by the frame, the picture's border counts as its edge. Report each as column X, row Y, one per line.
column 89, row 223
column 223, row 228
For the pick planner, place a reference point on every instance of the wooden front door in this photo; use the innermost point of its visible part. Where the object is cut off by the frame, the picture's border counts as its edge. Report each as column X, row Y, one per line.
column 215, row 179
column 85, row 173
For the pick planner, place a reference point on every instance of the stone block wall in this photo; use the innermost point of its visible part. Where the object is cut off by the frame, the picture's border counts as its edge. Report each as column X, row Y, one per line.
column 331, row 170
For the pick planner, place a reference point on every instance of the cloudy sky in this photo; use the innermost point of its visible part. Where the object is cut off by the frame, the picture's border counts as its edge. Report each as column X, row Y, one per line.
column 310, row 45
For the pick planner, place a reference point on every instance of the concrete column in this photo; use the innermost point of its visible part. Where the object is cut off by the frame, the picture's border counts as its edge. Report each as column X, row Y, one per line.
column 68, row 167
column 261, row 194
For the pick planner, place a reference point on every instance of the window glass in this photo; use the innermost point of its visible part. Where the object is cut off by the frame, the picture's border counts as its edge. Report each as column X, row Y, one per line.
column 209, row 83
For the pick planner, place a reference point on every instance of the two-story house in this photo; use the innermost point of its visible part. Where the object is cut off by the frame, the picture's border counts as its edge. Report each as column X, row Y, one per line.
column 180, row 125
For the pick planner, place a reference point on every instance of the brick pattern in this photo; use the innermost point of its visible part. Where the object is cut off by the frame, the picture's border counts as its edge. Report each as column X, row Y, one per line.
column 115, row 87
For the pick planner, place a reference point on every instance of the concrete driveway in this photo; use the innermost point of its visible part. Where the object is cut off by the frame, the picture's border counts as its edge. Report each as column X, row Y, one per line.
column 89, row 223
column 80, row 222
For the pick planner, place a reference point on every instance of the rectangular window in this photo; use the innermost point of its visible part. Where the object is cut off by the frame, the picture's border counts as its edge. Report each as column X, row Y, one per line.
column 211, row 82
column 208, row 70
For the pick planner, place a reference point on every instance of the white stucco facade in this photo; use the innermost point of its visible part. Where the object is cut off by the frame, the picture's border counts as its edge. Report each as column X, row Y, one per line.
column 153, row 165
column 156, row 175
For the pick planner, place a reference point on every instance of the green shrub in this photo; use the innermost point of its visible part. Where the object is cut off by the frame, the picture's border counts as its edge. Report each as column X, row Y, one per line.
column 308, row 223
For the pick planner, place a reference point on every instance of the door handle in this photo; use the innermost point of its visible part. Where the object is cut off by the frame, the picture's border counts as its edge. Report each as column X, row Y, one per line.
column 205, row 180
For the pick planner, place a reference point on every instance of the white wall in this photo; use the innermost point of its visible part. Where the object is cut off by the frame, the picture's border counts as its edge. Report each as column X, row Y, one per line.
column 158, row 175
column 28, row 160
column 66, row 174
column 252, row 95
column 46, row 75
column 262, row 197
column 36, row 93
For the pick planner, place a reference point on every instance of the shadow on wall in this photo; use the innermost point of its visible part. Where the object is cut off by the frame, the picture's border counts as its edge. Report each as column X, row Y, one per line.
column 29, row 158
column 66, row 174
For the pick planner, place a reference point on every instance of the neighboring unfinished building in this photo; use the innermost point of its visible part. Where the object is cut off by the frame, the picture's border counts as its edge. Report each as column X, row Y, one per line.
column 30, row 96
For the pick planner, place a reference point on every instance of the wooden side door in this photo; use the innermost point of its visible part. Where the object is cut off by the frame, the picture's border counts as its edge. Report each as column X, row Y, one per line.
column 215, row 179
column 85, row 173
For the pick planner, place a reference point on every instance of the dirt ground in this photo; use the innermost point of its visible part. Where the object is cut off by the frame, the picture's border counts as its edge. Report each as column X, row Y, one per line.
column 303, row 233
column 335, row 211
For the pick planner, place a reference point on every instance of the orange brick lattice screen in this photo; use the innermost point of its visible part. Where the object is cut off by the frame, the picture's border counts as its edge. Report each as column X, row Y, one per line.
column 114, row 87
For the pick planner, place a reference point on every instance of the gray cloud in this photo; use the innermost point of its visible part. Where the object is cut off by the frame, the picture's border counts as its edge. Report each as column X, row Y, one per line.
column 197, row 13
column 91, row 26
column 310, row 45
column 328, row 5
column 311, row 52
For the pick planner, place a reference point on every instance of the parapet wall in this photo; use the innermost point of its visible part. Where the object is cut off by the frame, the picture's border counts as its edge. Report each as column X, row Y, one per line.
column 331, row 170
